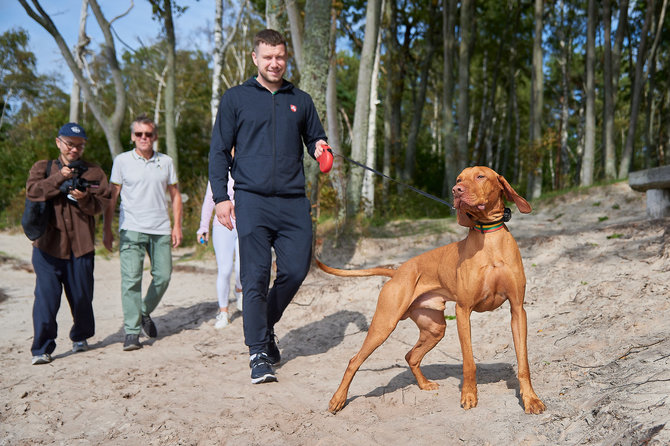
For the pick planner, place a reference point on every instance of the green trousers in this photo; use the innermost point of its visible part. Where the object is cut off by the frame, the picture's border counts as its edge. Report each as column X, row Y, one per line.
column 132, row 249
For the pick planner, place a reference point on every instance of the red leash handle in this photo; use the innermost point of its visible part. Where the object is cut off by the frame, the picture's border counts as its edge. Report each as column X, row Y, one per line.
column 325, row 159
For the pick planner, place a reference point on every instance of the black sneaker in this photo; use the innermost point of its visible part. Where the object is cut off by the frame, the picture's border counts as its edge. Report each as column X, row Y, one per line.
column 273, row 351
column 261, row 369
column 132, row 342
column 148, row 327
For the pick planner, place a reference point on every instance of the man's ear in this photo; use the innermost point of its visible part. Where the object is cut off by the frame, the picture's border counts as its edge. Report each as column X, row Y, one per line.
column 511, row 195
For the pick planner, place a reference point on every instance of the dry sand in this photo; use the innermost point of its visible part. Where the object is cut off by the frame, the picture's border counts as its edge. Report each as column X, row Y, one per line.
column 598, row 317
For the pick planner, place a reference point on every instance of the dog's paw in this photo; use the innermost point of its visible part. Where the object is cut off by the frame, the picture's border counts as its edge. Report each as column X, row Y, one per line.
column 336, row 404
column 429, row 385
column 468, row 400
column 533, row 405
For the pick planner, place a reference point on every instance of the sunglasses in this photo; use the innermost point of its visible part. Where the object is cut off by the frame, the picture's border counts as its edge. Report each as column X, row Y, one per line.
column 145, row 134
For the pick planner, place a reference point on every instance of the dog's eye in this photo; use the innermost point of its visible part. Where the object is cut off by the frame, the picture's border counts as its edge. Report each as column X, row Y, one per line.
column 479, row 177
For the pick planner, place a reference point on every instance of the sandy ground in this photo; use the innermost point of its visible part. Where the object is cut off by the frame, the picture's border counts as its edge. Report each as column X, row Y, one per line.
column 598, row 317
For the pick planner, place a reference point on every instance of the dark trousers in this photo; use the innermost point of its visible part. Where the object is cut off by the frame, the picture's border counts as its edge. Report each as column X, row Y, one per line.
column 265, row 222
column 75, row 275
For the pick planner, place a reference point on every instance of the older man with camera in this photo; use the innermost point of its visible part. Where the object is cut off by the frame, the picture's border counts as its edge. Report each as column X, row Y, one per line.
column 63, row 256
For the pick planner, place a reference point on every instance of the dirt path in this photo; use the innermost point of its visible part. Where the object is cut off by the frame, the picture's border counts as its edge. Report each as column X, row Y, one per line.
column 598, row 310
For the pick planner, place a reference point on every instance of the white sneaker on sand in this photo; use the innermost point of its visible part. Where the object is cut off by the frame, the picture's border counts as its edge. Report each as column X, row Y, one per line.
column 238, row 295
column 221, row 320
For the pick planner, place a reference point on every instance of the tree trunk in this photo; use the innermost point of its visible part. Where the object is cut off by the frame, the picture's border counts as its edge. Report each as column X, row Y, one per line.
column 464, row 83
column 536, row 104
column 361, row 113
column 220, row 48
column 314, row 75
column 368, row 189
column 295, row 23
column 337, row 172
column 170, row 86
column 588, row 161
column 272, row 11
column 608, row 99
column 111, row 125
column 450, row 153
column 79, row 54
column 638, row 82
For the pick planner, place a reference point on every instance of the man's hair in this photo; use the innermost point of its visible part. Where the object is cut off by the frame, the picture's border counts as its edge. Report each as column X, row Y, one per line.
column 143, row 119
column 268, row 37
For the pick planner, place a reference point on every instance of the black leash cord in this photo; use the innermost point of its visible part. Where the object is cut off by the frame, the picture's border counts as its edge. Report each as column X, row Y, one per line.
column 418, row 191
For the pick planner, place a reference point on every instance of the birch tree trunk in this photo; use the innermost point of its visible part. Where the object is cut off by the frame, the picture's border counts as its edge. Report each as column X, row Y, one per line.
column 220, row 48
column 170, row 86
column 111, row 125
column 586, row 172
column 536, row 103
column 361, row 113
column 79, row 54
column 368, row 189
column 217, row 60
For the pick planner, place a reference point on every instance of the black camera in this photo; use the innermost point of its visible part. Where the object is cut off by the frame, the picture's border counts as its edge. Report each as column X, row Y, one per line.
column 77, row 182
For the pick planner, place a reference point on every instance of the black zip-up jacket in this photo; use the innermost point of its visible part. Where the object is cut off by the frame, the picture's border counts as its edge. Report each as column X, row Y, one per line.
column 267, row 131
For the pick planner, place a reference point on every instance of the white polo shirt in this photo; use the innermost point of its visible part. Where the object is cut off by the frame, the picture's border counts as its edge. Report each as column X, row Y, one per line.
column 143, row 182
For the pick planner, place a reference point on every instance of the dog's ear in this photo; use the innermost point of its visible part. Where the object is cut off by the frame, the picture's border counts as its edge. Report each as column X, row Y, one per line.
column 511, row 195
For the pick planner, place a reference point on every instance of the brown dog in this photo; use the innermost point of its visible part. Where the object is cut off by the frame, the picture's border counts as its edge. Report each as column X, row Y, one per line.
column 478, row 273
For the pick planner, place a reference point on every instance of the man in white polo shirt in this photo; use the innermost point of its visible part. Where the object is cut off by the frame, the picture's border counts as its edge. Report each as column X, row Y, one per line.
column 141, row 176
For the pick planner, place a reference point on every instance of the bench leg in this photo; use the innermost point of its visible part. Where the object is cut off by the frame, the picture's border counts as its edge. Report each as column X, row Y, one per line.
column 658, row 203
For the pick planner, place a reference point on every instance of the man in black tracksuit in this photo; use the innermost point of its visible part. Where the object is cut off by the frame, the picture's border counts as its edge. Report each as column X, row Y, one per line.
column 266, row 120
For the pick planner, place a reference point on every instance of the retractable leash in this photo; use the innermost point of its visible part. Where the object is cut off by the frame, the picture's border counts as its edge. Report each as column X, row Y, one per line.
column 326, row 163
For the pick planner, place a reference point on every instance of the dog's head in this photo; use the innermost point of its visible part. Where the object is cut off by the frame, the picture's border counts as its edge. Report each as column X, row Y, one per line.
column 479, row 196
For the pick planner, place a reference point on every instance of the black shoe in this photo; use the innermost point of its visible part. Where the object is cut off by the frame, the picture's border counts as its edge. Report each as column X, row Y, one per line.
column 132, row 342
column 273, row 351
column 261, row 369
column 148, row 327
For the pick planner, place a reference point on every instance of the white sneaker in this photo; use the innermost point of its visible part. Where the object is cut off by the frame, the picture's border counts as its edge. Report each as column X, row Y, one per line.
column 221, row 320
column 239, row 296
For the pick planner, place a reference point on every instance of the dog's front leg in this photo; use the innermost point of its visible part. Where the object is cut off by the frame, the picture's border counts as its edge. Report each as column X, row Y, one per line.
column 532, row 404
column 469, row 389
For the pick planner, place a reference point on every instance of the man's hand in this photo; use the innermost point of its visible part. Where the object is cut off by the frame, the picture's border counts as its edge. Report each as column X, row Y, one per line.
column 108, row 238
column 224, row 211
column 319, row 148
column 79, row 194
column 177, row 235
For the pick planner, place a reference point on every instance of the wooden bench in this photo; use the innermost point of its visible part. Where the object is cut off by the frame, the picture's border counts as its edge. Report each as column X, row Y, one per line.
column 656, row 183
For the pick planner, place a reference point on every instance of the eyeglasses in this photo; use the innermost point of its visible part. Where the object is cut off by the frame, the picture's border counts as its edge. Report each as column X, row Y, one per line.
column 145, row 134
column 72, row 146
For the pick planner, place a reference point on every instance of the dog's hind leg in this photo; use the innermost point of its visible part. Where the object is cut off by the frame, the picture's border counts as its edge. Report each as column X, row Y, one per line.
column 383, row 323
column 431, row 330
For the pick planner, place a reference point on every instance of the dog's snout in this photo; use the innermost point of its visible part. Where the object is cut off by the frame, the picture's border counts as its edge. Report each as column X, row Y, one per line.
column 457, row 189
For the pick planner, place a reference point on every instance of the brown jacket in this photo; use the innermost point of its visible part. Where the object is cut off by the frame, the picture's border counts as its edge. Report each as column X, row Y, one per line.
column 72, row 228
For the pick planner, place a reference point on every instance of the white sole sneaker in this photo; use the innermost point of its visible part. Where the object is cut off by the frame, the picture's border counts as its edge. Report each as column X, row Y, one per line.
column 221, row 320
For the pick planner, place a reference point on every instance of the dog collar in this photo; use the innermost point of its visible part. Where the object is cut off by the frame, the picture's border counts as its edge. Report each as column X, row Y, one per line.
column 493, row 226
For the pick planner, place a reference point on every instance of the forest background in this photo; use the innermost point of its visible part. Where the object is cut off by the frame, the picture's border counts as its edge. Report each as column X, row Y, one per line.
column 551, row 94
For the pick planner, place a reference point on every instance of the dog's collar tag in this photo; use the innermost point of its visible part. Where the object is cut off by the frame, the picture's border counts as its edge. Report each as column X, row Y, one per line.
column 494, row 226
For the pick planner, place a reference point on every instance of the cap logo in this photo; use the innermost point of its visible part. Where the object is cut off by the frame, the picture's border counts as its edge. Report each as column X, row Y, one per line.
column 75, row 129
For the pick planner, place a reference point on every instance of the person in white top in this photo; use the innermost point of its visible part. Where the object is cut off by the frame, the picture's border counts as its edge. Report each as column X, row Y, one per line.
column 141, row 176
column 225, row 245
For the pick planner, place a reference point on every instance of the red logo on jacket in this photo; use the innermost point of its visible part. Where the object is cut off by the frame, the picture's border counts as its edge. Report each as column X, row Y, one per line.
column 293, row 108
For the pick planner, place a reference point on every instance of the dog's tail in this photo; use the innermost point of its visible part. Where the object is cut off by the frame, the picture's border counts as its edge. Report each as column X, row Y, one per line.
column 378, row 271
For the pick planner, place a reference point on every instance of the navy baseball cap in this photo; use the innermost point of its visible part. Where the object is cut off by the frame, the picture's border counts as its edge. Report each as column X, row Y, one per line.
column 72, row 129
